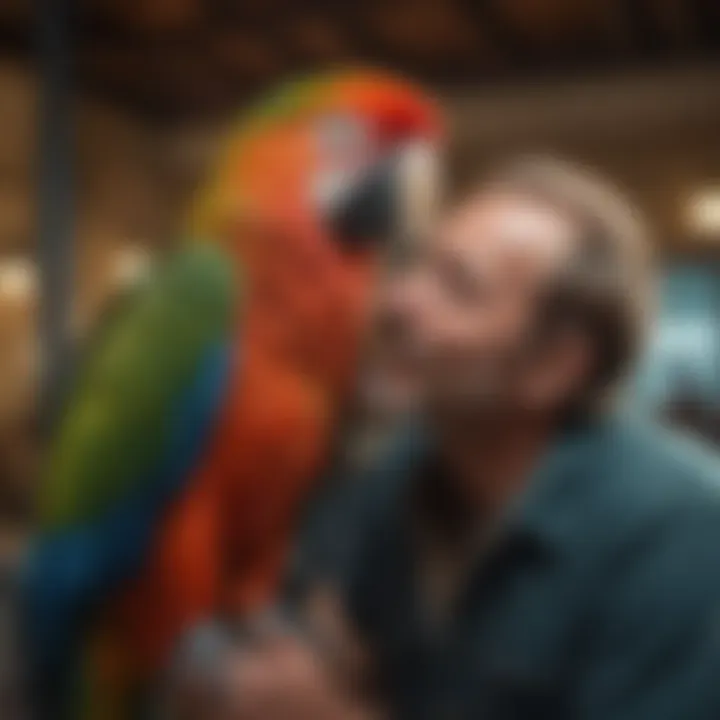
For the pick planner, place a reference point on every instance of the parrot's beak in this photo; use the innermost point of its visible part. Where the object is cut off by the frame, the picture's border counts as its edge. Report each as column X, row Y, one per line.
column 393, row 200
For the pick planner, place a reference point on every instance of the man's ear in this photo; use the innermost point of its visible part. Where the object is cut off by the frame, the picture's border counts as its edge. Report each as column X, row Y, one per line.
column 558, row 370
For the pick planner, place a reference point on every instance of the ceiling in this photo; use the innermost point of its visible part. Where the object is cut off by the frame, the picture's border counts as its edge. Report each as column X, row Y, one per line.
column 186, row 57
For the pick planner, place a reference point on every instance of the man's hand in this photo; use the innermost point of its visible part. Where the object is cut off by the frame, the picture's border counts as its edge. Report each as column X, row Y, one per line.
column 286, row 680
column 274, row 669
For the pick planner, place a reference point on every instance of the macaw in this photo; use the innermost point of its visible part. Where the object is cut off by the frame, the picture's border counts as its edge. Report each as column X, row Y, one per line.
column 207, row 410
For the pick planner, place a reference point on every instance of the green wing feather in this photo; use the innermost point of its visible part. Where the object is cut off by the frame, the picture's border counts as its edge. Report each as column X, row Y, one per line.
column 116, row 425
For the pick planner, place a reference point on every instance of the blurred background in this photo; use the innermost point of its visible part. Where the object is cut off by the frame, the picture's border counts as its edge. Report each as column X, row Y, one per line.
column 109, row 113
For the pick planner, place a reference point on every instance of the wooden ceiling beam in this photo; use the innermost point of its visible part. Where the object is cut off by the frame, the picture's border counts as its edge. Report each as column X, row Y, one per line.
column 141, row 16
column 491, row 18
column 192, row 56
column 677, row 22
column 707, row 14
column 15, row 37
column 646, row 33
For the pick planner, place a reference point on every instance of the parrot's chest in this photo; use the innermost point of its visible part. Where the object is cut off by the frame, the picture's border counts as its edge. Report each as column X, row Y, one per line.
column 272, row 439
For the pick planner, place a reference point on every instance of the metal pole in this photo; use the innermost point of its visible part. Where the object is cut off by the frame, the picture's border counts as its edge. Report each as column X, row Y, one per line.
column 55, row 250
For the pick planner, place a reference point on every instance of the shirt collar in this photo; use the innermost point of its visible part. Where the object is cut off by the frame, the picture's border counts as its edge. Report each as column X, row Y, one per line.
column 545, row 513
column 563, row 484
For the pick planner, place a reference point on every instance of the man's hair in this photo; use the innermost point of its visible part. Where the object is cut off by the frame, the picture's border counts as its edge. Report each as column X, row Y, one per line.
column 607, row 287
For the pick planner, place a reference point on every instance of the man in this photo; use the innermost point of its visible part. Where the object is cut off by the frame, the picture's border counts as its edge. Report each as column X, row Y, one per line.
column 527, row 552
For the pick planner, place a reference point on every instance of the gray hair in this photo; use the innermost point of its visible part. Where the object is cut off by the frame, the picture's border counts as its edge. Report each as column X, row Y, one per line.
column 607, row 288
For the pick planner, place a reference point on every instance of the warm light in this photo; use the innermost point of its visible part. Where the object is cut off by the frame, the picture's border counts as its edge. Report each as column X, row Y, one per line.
column 18, row 279
column 704, row 212
column 131, row 265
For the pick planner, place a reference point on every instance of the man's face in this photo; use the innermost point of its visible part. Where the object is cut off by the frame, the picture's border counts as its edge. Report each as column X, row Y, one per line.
column 462, row 314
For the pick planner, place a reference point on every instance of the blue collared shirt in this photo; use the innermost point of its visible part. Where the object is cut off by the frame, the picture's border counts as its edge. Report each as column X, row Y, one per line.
column 599, row 601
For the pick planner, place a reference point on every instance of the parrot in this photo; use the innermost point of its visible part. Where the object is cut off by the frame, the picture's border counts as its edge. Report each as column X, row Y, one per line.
column 207, row 410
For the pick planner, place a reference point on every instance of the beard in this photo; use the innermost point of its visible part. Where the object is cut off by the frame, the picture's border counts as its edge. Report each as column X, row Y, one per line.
column 472, row 390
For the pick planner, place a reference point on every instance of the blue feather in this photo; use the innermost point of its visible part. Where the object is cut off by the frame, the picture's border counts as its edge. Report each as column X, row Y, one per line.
column 71, row 570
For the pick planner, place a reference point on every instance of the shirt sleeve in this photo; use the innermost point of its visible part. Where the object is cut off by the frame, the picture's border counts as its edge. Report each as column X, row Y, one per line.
column 653, row 651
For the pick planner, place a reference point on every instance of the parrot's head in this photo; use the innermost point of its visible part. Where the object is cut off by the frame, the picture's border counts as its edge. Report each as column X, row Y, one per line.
column 354, row 152
column 343, row 165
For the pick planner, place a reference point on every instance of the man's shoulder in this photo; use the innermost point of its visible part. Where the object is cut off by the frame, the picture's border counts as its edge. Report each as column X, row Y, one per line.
column 661, row 503
column 654, row 564
column 658, row 469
